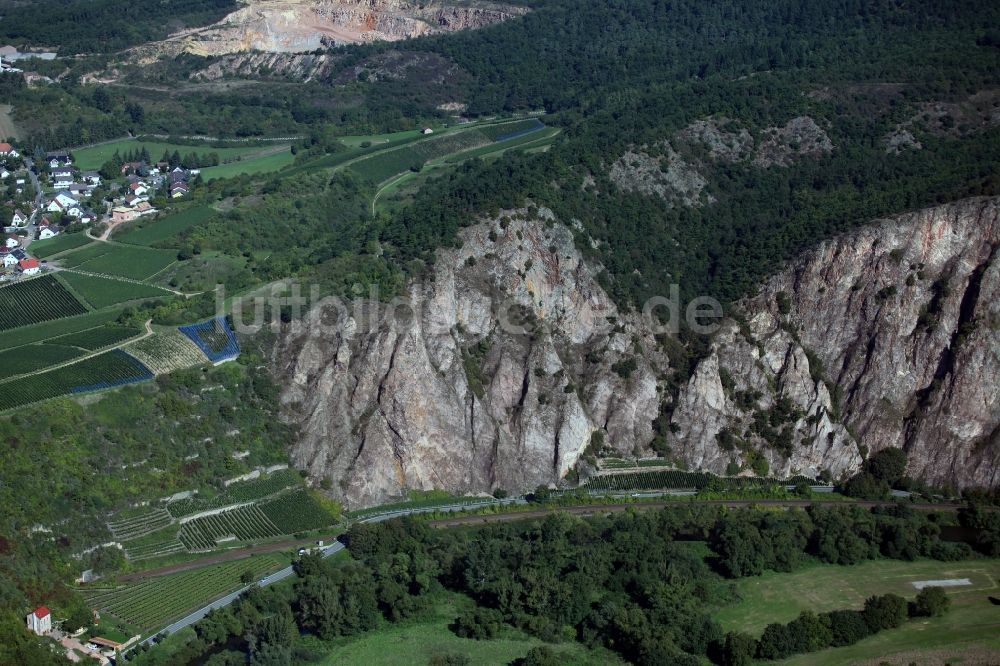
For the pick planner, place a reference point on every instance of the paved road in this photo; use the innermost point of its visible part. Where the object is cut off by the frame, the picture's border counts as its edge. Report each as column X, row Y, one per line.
column 336, row 547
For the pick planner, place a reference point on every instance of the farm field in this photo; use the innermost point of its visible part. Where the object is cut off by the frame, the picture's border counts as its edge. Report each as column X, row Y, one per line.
column 95, row 156
column 970, row 629
column 417, row 642
column 243, row 491
column 512, row 130
column 43, row 331
column 101, row 292
column 535, row 137
column 166, row 351
column 296, row 512
column 38, row 299
column 132, row 527
column 246, row 523
column 128, row 261
column 46, row 248
column 22, row 360
column 96, row 338
column 162, row 228
column 107, row 370
column 655, row 480
column 250, row 165
column 153, row 603
column 780, row 597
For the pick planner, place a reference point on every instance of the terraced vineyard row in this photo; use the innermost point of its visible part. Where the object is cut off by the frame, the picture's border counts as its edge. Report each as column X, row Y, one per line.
column 214, row 338
column 96, row 338
column 248, row 523
column 675, row 479
column 166, row 351
column 148, row 551
column 107, row 370
column 39, row 299
column 512, row 130
column 296, row 512
column 136, row 526
column 152, row 603
column 244, row 491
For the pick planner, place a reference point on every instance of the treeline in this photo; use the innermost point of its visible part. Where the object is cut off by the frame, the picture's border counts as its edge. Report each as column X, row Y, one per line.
column 624, row 583
column 811, row 632
column 103, row 26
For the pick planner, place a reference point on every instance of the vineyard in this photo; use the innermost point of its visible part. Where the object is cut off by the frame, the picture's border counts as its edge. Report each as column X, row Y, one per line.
column 135, row 526
column 22, row 360
column 160, row 229
column 61, row 243
column 96, row 338
column 32, row 301
column 513, row 130
column 147, row 551
column 244, row 491
column 675, row 479
column 154, row 602
column 214, row 338
column 103, row 292
column 296, row 512
column 247, row 523
column 166, row 351
column 107, row 370
column 383, row 166
column 129, row 261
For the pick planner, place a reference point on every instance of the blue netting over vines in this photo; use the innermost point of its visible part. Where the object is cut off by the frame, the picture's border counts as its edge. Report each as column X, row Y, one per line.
column 214, row 337
column 532, row 127
column 119, row 368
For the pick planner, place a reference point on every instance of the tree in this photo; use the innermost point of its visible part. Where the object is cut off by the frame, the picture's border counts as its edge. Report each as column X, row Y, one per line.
column 738, row 649
column 542, row 655
column 478, row 623
column 884, row 612
column 887, row 465
column 866, row 486
column 930, row 602
column 246, row 577
column 541, row 494
column 449, row 659
column 776, row 642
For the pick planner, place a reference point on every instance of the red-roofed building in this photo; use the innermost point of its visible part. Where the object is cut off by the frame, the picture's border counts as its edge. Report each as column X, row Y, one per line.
column 40, row 620
column 7, row 149
column 29, row 266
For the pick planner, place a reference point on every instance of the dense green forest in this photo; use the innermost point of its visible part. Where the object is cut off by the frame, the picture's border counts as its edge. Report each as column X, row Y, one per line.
column 103, row 26
column 630, row 583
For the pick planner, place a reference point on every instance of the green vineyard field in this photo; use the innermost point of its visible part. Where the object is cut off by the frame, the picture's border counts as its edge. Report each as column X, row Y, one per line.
column 31, row 301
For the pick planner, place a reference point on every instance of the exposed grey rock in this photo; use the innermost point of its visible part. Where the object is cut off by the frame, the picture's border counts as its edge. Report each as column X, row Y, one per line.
column 900, row 140
column 904, row 317
column 667, row 176
column 724, row 139
column 783, row 146
column 450, row 399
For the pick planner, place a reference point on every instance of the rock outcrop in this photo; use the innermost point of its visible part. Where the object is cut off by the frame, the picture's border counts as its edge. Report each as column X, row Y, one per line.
column 888, row 336
column 892, row 331
column 456, row 397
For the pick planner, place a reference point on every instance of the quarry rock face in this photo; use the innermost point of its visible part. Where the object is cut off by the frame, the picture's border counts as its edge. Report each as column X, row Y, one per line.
column 301, row 26
column 888, row 336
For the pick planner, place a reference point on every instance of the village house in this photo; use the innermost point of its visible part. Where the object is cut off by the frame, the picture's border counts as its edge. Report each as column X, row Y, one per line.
column 7, row 150
column 58, row 158
column 427, row 130
column 144, row 208
column 40, row 620
column 45, row 231
column 7, row 257
column 138, row 188
column 123, row 214
column 62, row 177
column 87, row 216
column 91, row 177
column 29, row 266
column 178, row 190
column 12, row 241
column 19, row 219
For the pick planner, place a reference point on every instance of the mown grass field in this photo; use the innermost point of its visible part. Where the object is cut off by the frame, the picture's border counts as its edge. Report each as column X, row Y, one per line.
column 95, row 156
column 973, row 622
column 46, row 248
column 128, row 261
column 161, row 229
column 250, row 165
column 418, row 642
column 102, row 292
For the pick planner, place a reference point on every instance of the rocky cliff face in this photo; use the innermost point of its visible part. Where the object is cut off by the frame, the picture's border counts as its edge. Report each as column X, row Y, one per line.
column 455, row 397
column 299, row 26
column 893, row 331
column 887, row 337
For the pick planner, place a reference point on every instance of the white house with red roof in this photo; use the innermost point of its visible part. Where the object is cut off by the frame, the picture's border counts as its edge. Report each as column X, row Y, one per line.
column 40, row 621
column 29, row 266
column 8, row 150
